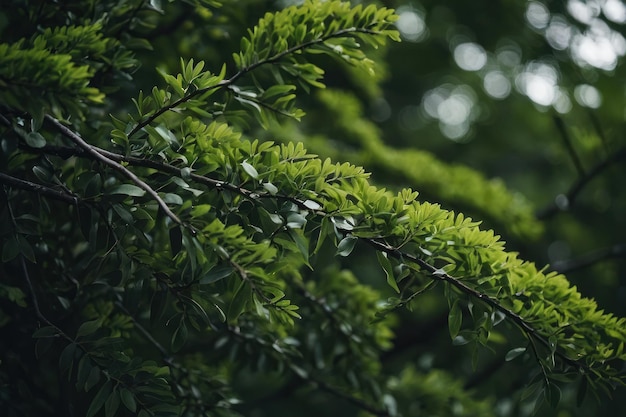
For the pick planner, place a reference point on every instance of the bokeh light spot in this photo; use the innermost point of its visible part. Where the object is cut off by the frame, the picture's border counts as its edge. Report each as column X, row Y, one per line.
column 496, row 85
column 411, row 24
column 538, row 81
column 588, row 96
column 614, row 10
column 537, row 14
column 470, row 56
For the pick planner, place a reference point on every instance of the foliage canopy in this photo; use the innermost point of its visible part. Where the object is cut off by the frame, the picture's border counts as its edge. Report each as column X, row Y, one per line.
column 167, row 257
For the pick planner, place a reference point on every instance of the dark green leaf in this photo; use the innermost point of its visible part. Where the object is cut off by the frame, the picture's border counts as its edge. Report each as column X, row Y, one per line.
column 238, row 303
column 99, row 399
column 514, row 353
column 553, row 394
column 346, row 245
column 383, row 260
column 180, row 336
column 92, row 379
column 10, row 249
column 26, row 249
column 128, row 399
column 455, row 319
column 88, row 328
column 217, row 273
column 157, row 306
column 112, row 404
column 127, row 189
column 46, row 331
column 67, row 357
column 35, row 140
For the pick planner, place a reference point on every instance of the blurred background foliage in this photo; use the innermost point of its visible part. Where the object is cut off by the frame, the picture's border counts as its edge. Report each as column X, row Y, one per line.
column 494, row 108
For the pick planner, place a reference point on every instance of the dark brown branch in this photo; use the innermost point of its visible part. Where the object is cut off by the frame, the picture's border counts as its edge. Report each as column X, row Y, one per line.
column 39, row 189
column 443, row 276
column 244, row 71
column 578, row 186
column 435, row 273
column 100, row 157
column 560, row 125
column 590, row 259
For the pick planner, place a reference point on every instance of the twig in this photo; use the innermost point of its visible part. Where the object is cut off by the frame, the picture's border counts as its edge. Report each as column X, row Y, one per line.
column 568, row 145
column 244, row 71
column 437, row 274
column 307, row 378
column 589, row 259
column 164, row 353
column 441, row 275
column 39, row 189
column 578, row 186
column 68, row 133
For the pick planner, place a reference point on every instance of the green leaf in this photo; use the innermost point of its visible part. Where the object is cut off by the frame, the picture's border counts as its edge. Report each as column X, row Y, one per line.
column 180, row 336
column 92, row 379
column 157, row 306
column 553, row 395
column 250, row 170
column 88, row 328
column 238, row 303
column 46, row 331
column 346, row 245
column 112, row 404
column 383, row 260
column 127, row 189
column 128, row 399
column 35, row 140
column 67, row 357
column 10, row 249
column 217, row 273
column 26, row 249
column 99, row 399
column 455, row 319
column 514, row 353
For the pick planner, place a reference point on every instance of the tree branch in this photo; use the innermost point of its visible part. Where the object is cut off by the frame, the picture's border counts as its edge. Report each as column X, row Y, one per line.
column 244, row 71
column 436, row 274
column 578, row 186
column 568, row 145
column 100, row 157
column 589, row 259
column 39, row 189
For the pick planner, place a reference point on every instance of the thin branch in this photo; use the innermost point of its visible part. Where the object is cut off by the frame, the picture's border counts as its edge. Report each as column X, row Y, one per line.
column 436, row 274
column 441, row 275
column 590, row 259
column 68, row 133
column 307, row 378
column 244, row 71
column 560, row 125
column 578, row 186
column 39, row 189
column 146, row 334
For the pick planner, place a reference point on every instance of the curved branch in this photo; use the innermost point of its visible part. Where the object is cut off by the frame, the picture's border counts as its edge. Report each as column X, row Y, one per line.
column 589, row 259
column 39, row 189
column 245, row 70
column 578, row 186
column 80, row 142
column 560, row 125
column 435, row 273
